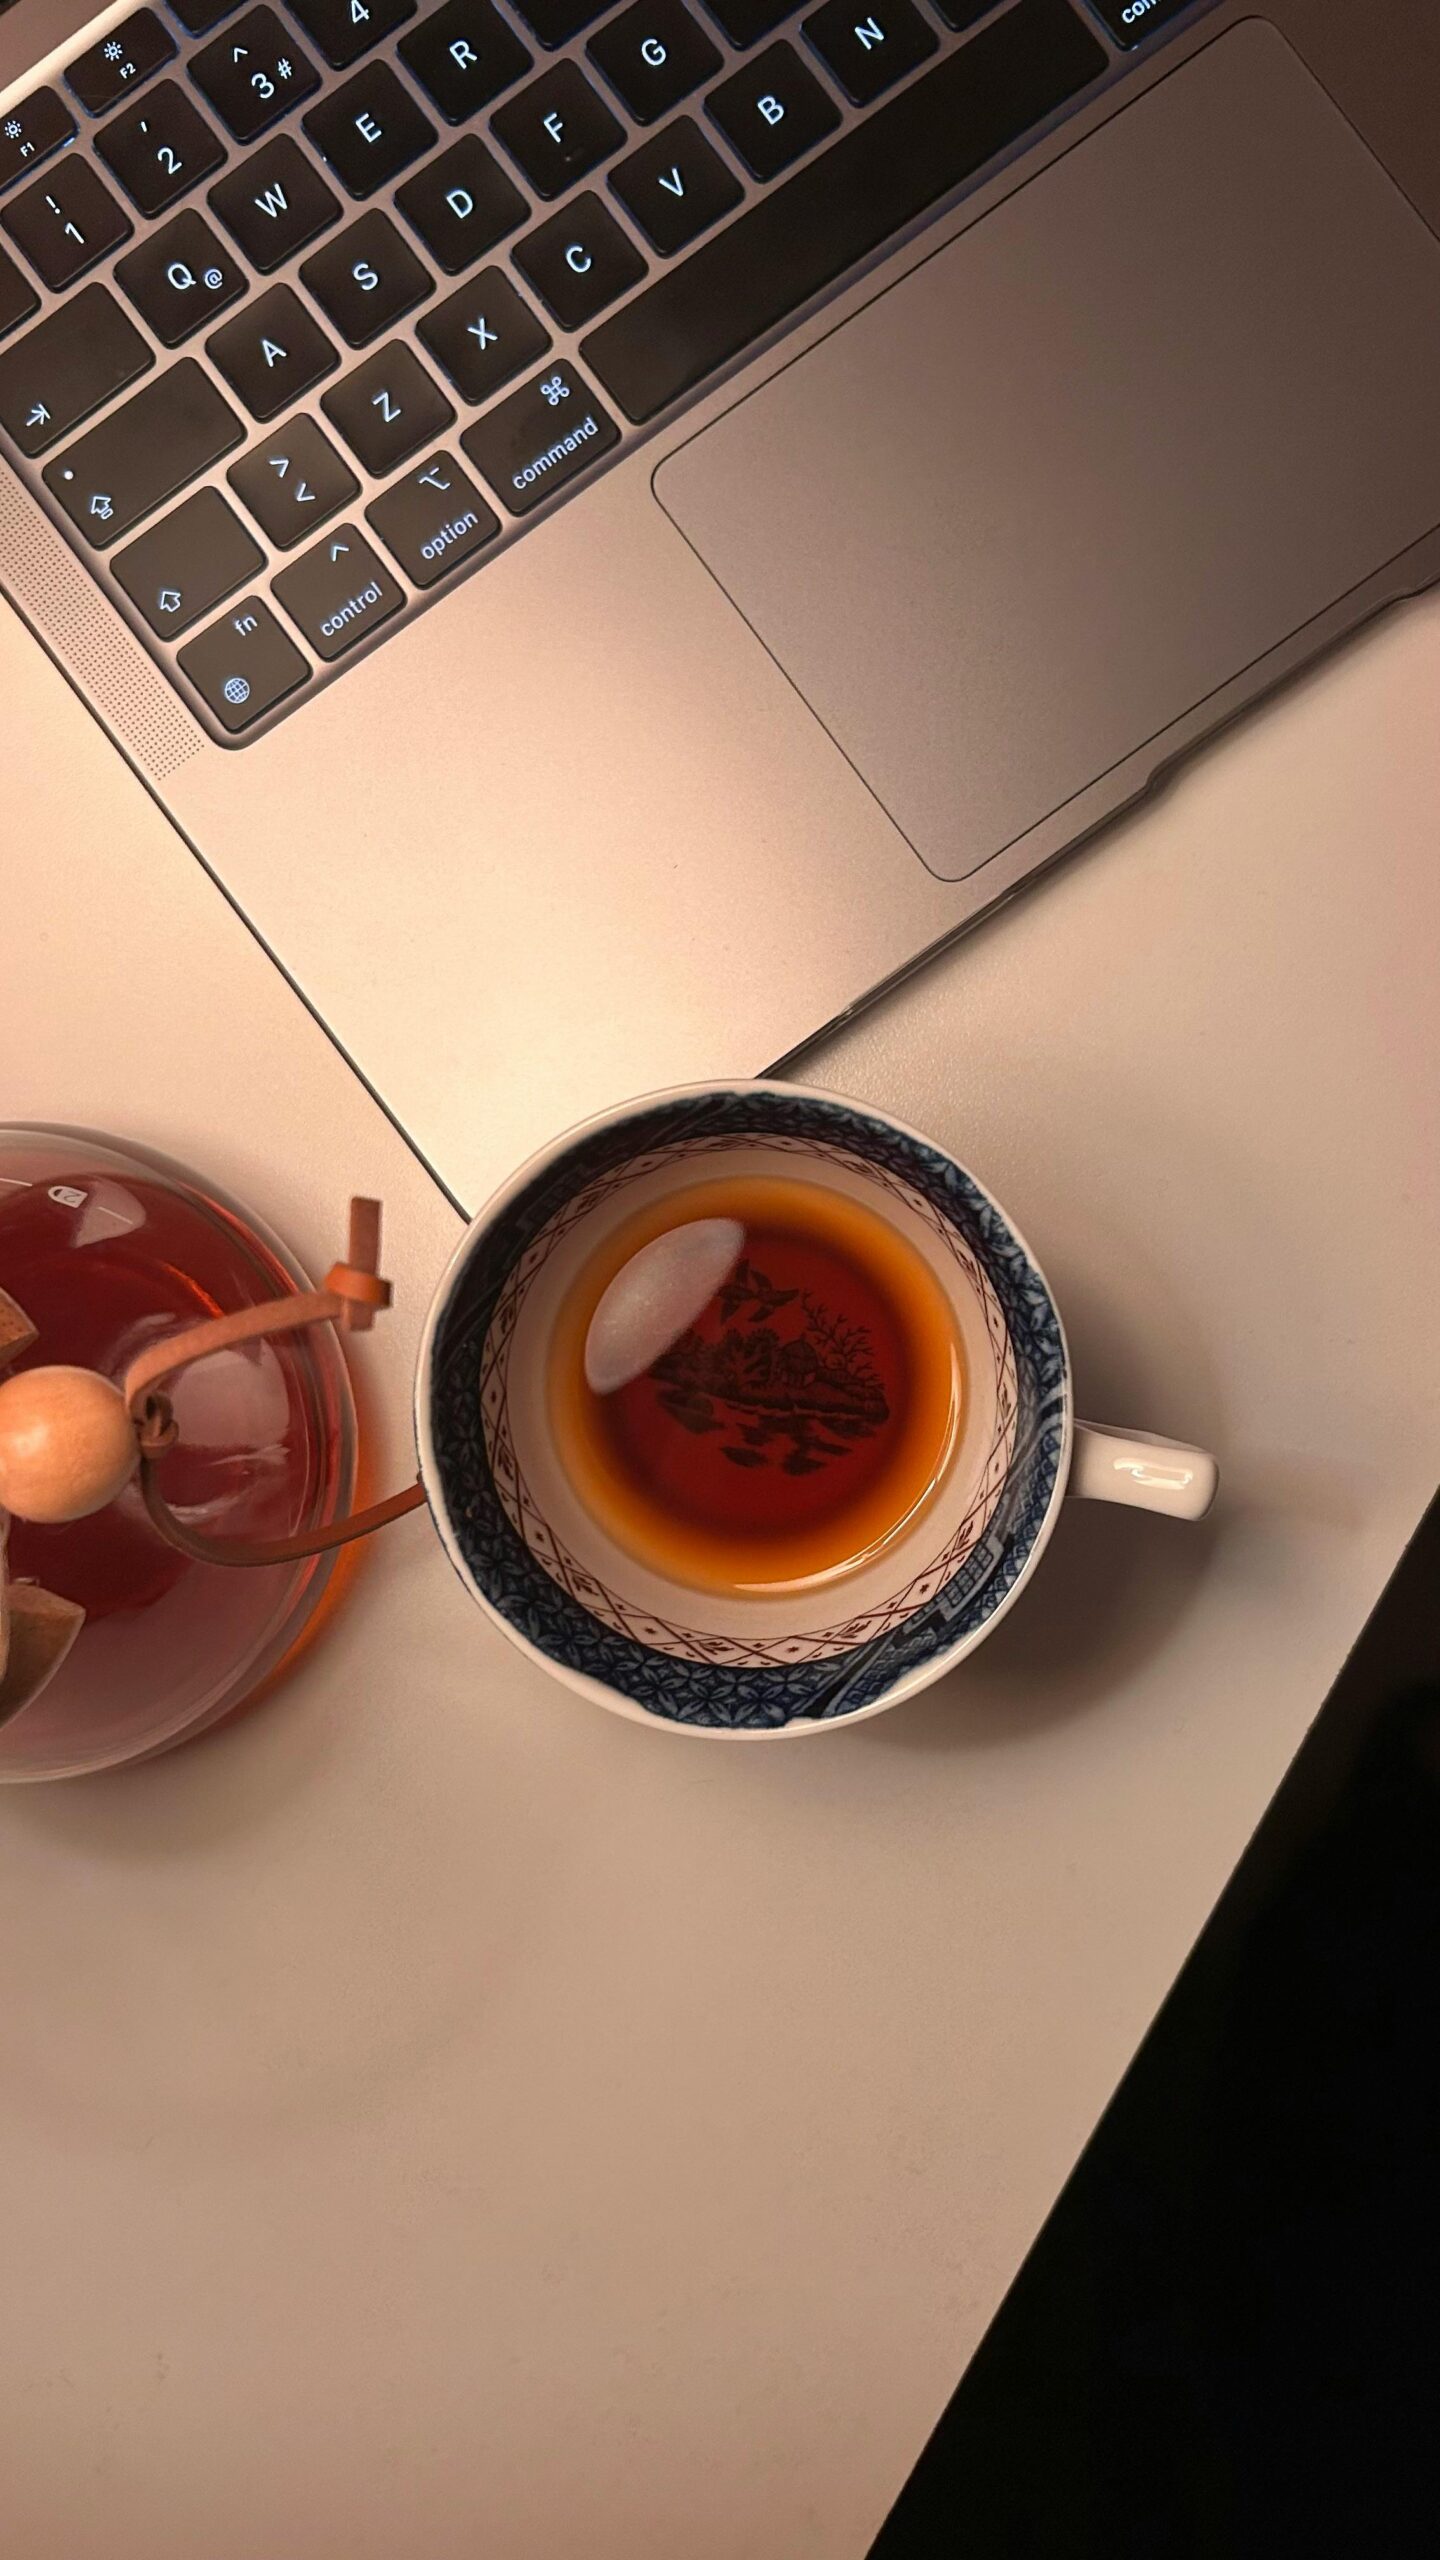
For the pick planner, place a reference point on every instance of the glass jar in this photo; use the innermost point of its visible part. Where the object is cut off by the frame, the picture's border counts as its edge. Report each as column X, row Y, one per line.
column 107, row 1248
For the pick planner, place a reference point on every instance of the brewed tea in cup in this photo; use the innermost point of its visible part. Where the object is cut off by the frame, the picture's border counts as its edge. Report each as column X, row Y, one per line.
column 757, row 1385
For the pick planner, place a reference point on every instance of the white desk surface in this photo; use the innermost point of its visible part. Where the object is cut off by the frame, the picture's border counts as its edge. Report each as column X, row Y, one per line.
column 437, row 2118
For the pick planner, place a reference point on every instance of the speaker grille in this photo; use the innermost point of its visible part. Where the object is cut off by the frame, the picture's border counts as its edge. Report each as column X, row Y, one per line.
column 92, row 643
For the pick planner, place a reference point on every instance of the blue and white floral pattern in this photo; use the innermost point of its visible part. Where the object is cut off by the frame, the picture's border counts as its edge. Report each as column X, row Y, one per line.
column 723, row 1694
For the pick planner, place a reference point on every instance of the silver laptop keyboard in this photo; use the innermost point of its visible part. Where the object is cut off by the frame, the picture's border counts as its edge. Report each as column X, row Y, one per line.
column 340, row 297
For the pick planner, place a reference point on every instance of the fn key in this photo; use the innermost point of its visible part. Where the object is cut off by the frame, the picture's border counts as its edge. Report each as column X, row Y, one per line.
column 243, row 665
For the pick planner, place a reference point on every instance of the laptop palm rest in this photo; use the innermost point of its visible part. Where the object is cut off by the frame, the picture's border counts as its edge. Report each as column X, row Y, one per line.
column 1090, row 461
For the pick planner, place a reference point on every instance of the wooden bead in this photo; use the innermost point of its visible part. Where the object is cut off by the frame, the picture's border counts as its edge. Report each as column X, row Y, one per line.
column 67, row 1444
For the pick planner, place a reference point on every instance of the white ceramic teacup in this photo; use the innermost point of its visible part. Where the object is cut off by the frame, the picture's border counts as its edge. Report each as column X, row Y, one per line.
column 753, row 1666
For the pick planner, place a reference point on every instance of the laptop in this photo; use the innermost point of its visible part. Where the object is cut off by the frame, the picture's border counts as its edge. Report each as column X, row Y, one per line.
column 613, row 530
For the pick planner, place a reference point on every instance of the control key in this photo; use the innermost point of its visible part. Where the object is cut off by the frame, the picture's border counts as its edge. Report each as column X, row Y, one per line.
column 339, row 592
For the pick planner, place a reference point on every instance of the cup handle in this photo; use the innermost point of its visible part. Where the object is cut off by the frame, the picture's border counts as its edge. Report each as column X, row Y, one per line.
column 1137, row 1468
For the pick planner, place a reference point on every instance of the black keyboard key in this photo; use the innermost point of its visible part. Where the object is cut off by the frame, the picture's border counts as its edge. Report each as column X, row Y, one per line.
column 272, row 351
column 191, row 562
column 877, row 177
column 65, row 222
column 366, row 280
column 540, row 438
column 432, row 520
column 963, row 14
column 653, row 55
column 772, row 110
column 292, row 482
column 72, row 363
column 338, row 593
column 558, row 129
column 370, row 130
column 122, row 59
column 461, row 204
column 254, row 73
column 142, row 454
column 344, row 29
column 869, row 44
column 29, row 133
column 18, row 297
column 746, row 21
column 1131, row 21
column 579, row 262
column 556, row 21
column 676, row 185
column 180, row 279
column 484, row 335
column 160, row 148
column 387, row 408
column 197, row 17
column 243, row 665
column 464, row 56
column 275, row 204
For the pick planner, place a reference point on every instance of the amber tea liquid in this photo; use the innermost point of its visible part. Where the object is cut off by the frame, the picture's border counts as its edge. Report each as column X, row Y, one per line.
column 107, row 1253
column 799, row 1424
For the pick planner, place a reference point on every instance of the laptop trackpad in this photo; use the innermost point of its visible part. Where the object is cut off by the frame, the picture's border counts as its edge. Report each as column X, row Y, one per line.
column 1101, row 453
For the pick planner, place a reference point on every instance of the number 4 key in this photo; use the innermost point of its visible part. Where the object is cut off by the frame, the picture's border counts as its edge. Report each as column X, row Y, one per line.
column 344, row 29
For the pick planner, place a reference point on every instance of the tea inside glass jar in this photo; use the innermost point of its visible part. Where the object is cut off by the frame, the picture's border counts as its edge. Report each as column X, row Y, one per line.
column 795, row 1395
column 108, row 1250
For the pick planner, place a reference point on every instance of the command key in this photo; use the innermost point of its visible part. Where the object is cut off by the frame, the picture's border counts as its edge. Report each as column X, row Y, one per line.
column 1130, row 21
column 540, row 438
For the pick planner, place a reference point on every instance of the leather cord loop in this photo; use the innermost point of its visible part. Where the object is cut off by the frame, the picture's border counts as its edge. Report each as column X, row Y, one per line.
column 352, row 1297
column 262, row 1551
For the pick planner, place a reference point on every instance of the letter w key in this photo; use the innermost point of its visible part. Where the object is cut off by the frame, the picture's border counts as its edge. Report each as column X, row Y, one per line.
column 275, row 204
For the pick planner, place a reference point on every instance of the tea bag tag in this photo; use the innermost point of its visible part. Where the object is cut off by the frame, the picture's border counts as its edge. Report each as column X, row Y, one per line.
column 17, row 1333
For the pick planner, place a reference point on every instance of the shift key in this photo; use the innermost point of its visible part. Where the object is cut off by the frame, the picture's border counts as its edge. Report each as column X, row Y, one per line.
column 142, row 454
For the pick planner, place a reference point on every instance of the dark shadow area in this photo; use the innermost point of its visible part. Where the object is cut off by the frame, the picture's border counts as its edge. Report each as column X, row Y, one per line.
column 1225, row 2344
column 1116, row 1584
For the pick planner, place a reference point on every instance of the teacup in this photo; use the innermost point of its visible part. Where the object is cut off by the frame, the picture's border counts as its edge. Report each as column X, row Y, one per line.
column 752, row 1665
